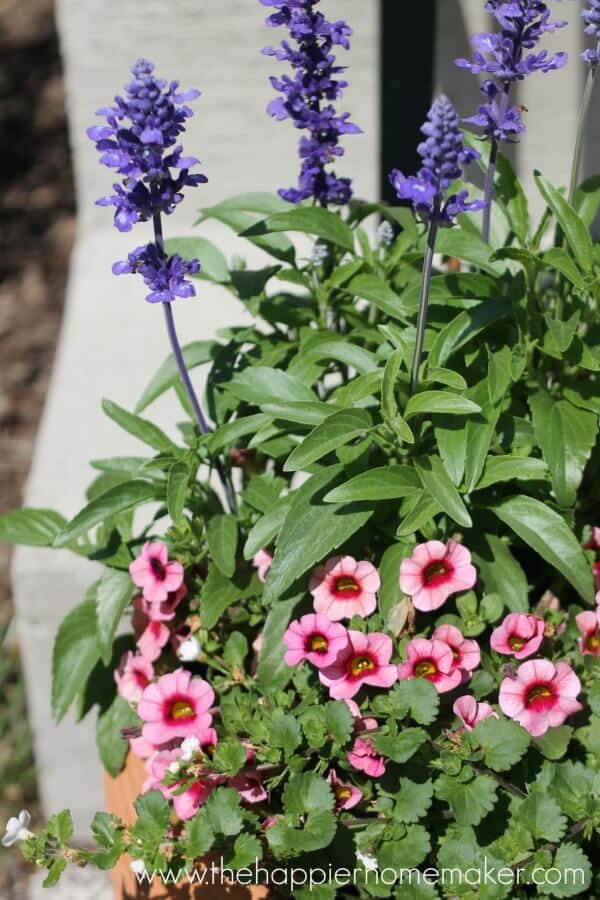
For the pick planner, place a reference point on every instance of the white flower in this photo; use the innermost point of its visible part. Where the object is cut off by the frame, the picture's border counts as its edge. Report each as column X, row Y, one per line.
column 137, row 866
column 369, row 862
column 189, row 650
column 189, row 747
column 319, row 254
column 174, row 767
column 17, row 829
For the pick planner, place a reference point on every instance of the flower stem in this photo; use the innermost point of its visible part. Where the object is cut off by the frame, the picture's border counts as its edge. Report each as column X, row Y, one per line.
column 581, row 122
column 185, row 375
column 488, row 194
column 423, row 303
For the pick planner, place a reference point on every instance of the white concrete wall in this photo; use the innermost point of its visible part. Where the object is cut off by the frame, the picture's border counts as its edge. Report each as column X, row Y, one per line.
column 112, row 341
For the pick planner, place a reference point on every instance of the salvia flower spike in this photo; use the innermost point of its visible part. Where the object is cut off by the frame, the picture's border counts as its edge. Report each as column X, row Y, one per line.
column 504, row 58
column 444, row 154
column 308, row 97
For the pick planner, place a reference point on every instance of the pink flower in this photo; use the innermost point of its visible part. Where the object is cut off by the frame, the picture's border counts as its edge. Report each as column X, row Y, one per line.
column 269, row 822
column 519, row 635
column 249, row 786
column 163, row 611
column 588, row 623
column 432, row 660
column 365, row 660
column 262, row 561
column 176, row 706
column 153, row 572
column 466, row 653
column 470, row 712
column 343, row 588
column 541, row 696
column 434, row 571
column 133, row 675
column 187, row 803
column 141, row 747
column 360, row 723
column 364, row 758
column 152, row 641
column 315, row 638
column 346, row 795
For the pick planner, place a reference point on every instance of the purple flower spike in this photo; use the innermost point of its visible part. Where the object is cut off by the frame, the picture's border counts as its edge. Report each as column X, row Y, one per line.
column 307, row 98
column 165, row 275
column 591, row 17
column 139, row 141
column 443, row 154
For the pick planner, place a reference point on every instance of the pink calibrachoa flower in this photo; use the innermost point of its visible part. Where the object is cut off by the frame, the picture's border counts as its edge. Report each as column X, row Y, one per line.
column 346, row 795
column 134, row 674
column 466, row 652
column 588, row 623
column 365, row 660
column 541, row 696
column 185, row 804
column 163, row 611
column 470, row 712
column 434, row 571
column 176, row 706
column 262, row 561
column 364, row 757
column 433, row 660
column 153, row 639
column 361, row 723
column 153, row 572
column 519, row 635
column 249, row 786
column 316, row 638
column 343, row 588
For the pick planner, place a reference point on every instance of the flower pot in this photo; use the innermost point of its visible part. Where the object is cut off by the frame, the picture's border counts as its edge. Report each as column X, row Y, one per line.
column 121, row 792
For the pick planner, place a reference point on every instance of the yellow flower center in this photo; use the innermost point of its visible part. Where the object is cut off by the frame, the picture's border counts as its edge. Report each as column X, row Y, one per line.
column 593, row 642
column 516, row 643
column 538, row 692
column 434, row 570
column 342, row 793
column 345, row 583
column 425, row 668
column 361, row 664
column 317, row 643
column 182, row 709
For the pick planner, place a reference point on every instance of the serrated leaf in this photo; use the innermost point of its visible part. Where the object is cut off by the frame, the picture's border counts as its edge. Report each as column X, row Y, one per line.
column 246, row 850
column 413, row 800
column 504, row 743
column 337, row 430
column 417, row 696
column 55, row 870
column 402, row 746
column 76, row 651
column 469, row 801
column 60, row 827
column 284, row 732
column 407, row 852
column 31, row 527
column 555, row 743
column 222, row 538
column 541, row 815
column 548, row 534
column 113, row 595
column 200, row 836
column 575, row 870
column 307, row 792
column 223, row 811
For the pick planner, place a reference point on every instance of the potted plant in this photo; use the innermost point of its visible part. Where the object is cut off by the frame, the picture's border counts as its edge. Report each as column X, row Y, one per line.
column 363, row 653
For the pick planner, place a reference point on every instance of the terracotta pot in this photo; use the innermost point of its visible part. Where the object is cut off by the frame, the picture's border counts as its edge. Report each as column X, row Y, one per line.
column 120, row 795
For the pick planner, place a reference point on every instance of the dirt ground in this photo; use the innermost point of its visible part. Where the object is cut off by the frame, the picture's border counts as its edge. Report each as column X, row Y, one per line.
column 37, row 225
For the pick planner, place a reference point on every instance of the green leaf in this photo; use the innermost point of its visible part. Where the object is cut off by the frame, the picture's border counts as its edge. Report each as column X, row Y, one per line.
column 246, row 850
column 261, row 384
column 379, row 293
column 509, row 468
column 140, row 428
column 32, row 527
column 402, row 746
column 194, row 354
column 230, row 757
column 541, row 815
column 413, row 800
column 575, row 870
column 439, row 375
column 302, row 413
column 218, row 593
column 405, row 853
column 339, row 722
column 468, row 246
column 567, row 436
column 231, row 432
column 153, row 813
column 464, row 327
column 112, row 747
column 390, row 595
column 76, row 651
column 504, row 743
column 305, row 793
column 558, row 258
column 200, row 836
column 284, row 733
column 546, row 532
column 113, row 595
column 309, row 220
column 555, row 743
column 437, row 483
column 563, row 332
column 55, row 870
column 327, row 346
column 382, row 483
column 511, row 197
column 264, row 530
column 418, row 697
column 223, row 811
column 261, row 202
column 336, row 431
column 576, row 233
column 470, row 801
column 501, row 573
column 213, row 263
column 389, row 404
column 273, row 672
column 60, row 827
column 311, row 531
column 222, row 539
column 440, row 402
column 240, row 221
column 119, row 499
column 177, row 491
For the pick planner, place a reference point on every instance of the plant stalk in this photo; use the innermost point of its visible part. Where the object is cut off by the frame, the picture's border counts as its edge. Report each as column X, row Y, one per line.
column 424, row 302
column 488, row 194
column 185, row 375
